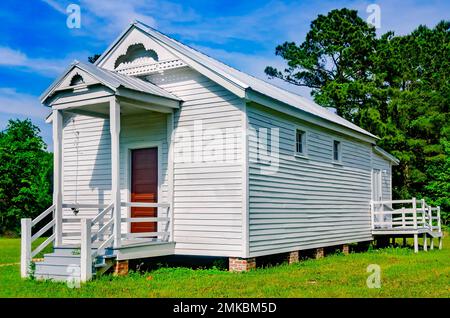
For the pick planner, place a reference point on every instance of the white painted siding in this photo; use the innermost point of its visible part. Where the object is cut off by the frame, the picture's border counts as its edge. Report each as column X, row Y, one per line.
column 307, row 202
column 208, row 200
column 87, row 163
column 86, row 167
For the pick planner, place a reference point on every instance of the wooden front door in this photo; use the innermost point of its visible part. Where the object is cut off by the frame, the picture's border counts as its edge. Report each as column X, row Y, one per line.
column 144, row 187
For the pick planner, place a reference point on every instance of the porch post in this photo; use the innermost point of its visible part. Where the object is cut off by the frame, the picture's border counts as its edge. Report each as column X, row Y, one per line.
column 57, row 174
column 114, row 124
column 170, row 164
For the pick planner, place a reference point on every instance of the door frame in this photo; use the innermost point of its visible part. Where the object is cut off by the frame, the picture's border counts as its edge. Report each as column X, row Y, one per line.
column 380, row 184
column 127, row 171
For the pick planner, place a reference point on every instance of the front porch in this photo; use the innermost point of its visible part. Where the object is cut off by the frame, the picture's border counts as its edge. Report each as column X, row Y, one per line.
column 106, row 219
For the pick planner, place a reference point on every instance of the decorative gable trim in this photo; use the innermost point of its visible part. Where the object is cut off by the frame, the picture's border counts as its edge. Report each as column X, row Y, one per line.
column 68, row 81
column 147, row 69
column 136, row 54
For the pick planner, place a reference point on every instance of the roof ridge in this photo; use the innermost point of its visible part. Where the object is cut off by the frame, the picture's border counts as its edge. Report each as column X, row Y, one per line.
column 241, row 80
column 218, row 61
column 290, row 98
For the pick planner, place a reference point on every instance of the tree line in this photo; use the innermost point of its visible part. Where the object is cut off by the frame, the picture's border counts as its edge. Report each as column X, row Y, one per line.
column 396, row 87
column 26, row 170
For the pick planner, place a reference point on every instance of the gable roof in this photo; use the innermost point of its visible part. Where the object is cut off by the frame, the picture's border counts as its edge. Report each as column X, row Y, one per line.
column 110, row 79
column 247, row 83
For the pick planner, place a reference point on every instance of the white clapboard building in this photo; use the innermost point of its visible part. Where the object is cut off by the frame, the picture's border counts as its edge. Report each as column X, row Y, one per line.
column 162, row 150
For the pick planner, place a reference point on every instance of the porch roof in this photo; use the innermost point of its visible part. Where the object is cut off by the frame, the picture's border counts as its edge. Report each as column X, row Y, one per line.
column 110, row 79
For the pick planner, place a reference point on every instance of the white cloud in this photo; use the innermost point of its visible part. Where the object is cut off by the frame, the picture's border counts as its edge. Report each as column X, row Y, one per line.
column 266, row 25
column 16, row 103
column 108, row 18
column 406, row 15
column 44, row 66
column 12, row 57
column 55, row 5
column 15, row 58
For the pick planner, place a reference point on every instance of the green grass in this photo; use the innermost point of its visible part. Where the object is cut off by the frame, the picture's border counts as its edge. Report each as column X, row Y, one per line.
column 10, row 250
column 403, row 274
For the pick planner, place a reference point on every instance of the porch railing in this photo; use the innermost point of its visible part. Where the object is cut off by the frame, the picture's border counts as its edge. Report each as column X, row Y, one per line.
column 96, row 234
column 27, row 239
column 163, row 219
column 89, row 236
column 405, row 215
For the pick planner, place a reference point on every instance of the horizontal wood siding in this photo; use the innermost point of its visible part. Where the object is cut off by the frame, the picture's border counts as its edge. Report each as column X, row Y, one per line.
column 87, row 160
column 208, row 200
column 86, row 167
column 306, row 202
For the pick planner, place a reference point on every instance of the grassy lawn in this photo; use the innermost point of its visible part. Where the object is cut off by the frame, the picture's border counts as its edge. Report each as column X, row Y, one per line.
column 10, row 250
column 403, row 274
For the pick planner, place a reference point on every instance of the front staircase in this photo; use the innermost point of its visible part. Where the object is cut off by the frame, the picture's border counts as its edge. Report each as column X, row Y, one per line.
column 64, row 264
column 101, row 242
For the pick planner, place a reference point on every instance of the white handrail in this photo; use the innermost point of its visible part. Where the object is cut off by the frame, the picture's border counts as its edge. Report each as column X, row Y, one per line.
column 167, row 235
column 439, row 218
column 26, row 253
column 145, row 219
column 43, row 245
column 405, row 217
column 393, row 201
column 145, row 205
column 88, row 236
column 43, row 230
column 102, row 229
column 43, row 215
column 84, row 205
column 103, row 213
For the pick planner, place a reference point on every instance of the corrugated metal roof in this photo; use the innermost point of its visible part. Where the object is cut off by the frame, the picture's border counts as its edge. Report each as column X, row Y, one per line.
column 249, row 82
column 113, row 80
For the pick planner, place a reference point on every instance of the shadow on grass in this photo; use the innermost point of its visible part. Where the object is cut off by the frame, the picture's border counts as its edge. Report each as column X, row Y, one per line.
column 221, row 263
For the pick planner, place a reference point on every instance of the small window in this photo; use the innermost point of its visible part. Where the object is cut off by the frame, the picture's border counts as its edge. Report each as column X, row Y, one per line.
column 336, row 150
column 300, row 142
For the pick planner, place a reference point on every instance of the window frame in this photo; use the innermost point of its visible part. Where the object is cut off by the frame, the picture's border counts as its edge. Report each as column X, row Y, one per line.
column 339, row 151
column 304, row 153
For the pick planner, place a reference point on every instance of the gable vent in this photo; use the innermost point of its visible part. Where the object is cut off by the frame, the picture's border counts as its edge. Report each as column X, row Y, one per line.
column 134, row 53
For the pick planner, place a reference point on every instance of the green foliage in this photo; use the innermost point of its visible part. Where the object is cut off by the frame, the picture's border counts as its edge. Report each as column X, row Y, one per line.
column 333, row 60
column 92, row 59
column 26, row 170
column 396, row 87
column 438, row 190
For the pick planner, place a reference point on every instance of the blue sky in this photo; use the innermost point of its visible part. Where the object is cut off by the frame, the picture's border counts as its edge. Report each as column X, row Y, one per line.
column 36, row 45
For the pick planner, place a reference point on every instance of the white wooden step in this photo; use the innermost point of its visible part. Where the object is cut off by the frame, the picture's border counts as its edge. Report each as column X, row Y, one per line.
column 57, row 269
column 53, row 277
column 61, row 259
